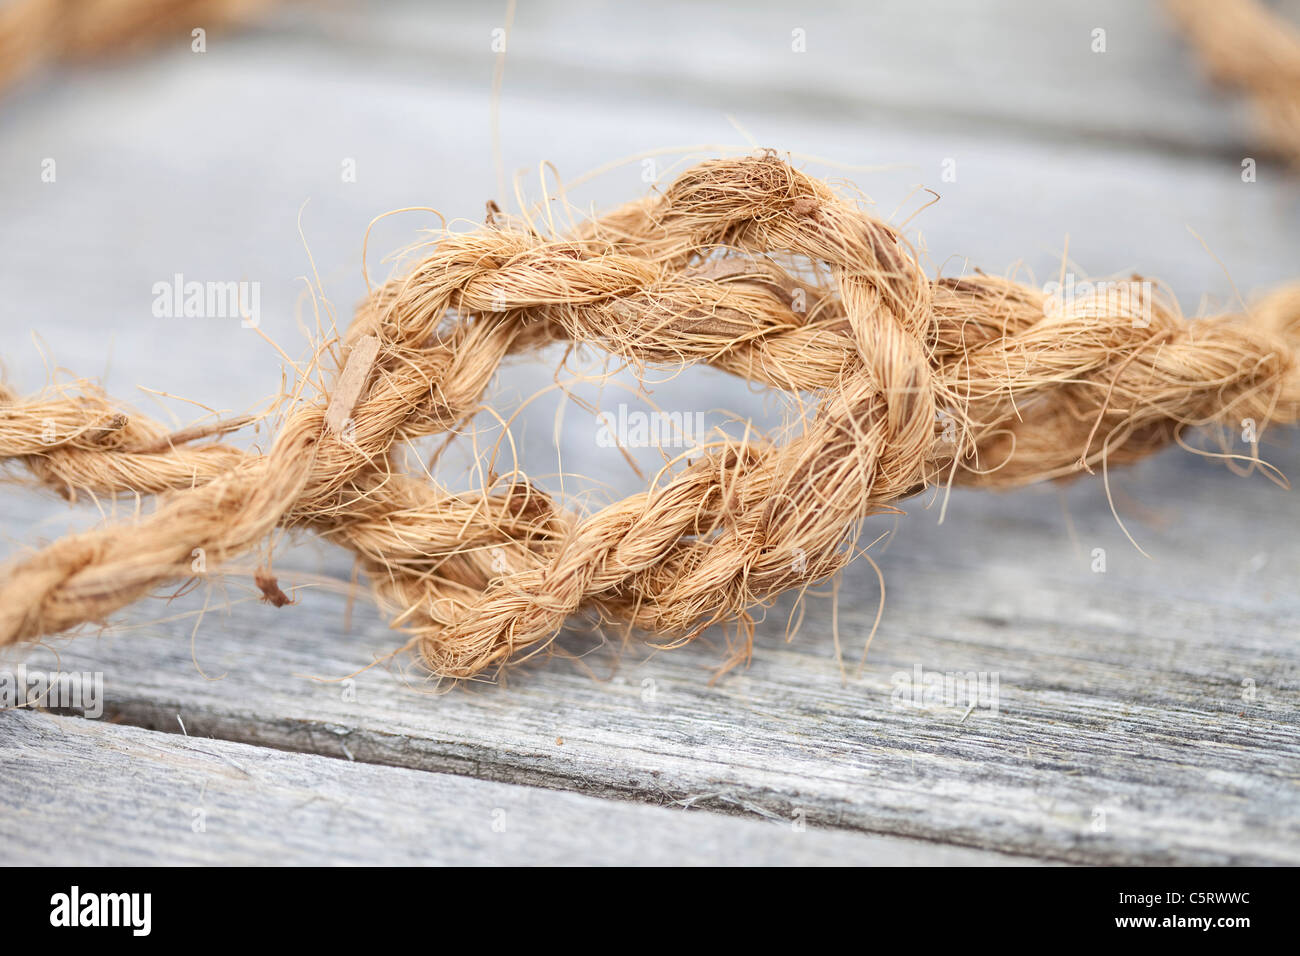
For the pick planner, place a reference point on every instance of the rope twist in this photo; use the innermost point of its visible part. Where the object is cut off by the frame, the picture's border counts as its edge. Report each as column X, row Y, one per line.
column 977, row 381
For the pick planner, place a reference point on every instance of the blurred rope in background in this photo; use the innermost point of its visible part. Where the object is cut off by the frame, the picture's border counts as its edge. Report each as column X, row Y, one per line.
column 1247, row 47
column 38, row 33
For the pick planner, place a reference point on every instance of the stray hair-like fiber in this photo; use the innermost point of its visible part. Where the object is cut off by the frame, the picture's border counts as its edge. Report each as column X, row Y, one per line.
column 915, row 383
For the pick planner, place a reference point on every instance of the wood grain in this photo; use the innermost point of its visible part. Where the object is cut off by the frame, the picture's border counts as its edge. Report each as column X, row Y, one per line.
column 101, row 795
column 1145, row 714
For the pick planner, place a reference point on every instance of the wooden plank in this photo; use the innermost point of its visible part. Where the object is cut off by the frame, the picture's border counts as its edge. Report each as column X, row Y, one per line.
column 123, row 796
column 1008, row 68
column 1125, row 730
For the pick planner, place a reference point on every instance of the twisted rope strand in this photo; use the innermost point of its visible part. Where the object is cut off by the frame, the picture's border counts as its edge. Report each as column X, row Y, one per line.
column 980, row 381
column 1248, row 47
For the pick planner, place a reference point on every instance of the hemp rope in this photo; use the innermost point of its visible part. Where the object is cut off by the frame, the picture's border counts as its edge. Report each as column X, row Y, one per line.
column 35, row 33
column 1246, row 46
column 916, row 382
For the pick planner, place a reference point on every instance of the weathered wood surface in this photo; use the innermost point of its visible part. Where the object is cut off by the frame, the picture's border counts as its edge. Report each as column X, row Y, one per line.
column 1146, row 714
column 149, row 798
column 1003, row 66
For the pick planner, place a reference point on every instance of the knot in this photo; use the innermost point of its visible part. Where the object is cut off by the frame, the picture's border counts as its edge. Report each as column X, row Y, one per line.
column 747, row 521
column 747, row 265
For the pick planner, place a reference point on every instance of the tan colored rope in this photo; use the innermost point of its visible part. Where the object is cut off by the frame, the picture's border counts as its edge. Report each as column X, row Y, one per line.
column 37, row 33
column 704, row 273
column 1248, row 47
